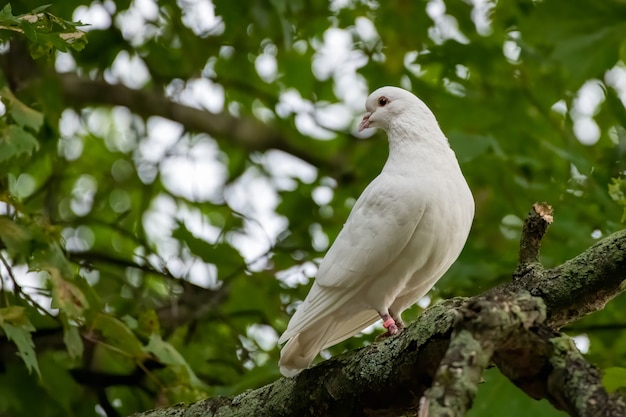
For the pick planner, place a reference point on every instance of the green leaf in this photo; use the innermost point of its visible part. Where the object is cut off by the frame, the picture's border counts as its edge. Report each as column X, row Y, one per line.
column 21, row 336
column 30, row 31
column 224, row 256
column 60, row 386
column 168, row 355
column 73, row 341
column 15, row 141
column 117, row 334
column 40, row 8
column 45, row 32
column 7, row 20
column 51, row 256
column 21, row 113
column 468, row 147
column 76, row 40
column 593, row 30
column 614, row 378
column 6, row 12
column 597, row 59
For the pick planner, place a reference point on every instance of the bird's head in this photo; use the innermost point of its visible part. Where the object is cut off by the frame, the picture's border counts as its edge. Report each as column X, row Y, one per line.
column 389, row 104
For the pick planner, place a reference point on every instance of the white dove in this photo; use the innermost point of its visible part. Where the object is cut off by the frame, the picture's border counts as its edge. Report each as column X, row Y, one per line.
column 405, row 230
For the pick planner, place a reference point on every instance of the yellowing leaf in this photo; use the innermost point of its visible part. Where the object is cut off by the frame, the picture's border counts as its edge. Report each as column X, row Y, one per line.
column 66, row 296
column 148, row 323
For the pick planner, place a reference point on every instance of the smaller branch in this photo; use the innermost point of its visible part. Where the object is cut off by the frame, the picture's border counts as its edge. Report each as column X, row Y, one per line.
column 101, row 379
column 585, row 283
column 535, row 226
column 459, row 374
column 545, row 364
column 4, row 292
column 577, row 384
column 106, row 405
column 484, row 326
column 88, row 258
column 194, row 303
column 20, row 292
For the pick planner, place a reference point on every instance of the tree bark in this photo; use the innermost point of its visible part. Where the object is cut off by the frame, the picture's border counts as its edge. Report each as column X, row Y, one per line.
column 438, row 360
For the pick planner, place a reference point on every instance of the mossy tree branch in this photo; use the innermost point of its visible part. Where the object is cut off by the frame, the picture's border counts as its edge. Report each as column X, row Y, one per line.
column 515, row 326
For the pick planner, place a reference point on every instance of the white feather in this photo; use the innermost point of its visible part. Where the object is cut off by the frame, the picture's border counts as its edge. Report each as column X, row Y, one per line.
column 404, row 232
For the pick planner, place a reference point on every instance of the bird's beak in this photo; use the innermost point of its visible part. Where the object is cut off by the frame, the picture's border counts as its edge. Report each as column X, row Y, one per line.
column 365, row 123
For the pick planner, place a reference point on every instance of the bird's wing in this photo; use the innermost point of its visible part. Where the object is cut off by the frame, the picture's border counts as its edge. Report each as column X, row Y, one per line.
column 379, row 227
column 355, row 324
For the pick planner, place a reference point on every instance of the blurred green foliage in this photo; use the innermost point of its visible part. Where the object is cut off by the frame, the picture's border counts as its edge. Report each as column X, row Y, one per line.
column 106, row 316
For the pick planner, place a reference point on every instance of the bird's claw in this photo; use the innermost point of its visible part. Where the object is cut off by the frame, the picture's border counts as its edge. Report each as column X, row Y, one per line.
column 393, row 327
column 391, row 331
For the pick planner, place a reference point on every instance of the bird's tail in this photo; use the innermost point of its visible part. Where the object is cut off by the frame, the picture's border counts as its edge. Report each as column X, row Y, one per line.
column 303, row 347
column 294, row 357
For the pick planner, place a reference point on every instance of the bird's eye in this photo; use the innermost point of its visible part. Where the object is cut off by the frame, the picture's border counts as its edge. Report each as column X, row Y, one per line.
column 382, row 102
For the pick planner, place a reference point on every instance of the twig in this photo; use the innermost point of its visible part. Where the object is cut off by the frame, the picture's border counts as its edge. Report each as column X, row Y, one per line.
column 535, row 226
column 576, row 385
column 19, row 291
column 4, row 292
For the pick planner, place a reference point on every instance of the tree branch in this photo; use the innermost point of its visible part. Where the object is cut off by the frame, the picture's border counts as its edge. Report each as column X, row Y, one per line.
column 585, row 283
column 245, row 132
column 512, row 325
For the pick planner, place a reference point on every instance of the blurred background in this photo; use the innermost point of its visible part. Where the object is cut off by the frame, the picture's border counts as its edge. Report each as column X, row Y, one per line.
column 172, row 172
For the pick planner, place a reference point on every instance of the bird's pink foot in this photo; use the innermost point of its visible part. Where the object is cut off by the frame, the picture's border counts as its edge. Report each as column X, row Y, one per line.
column 391, row 325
